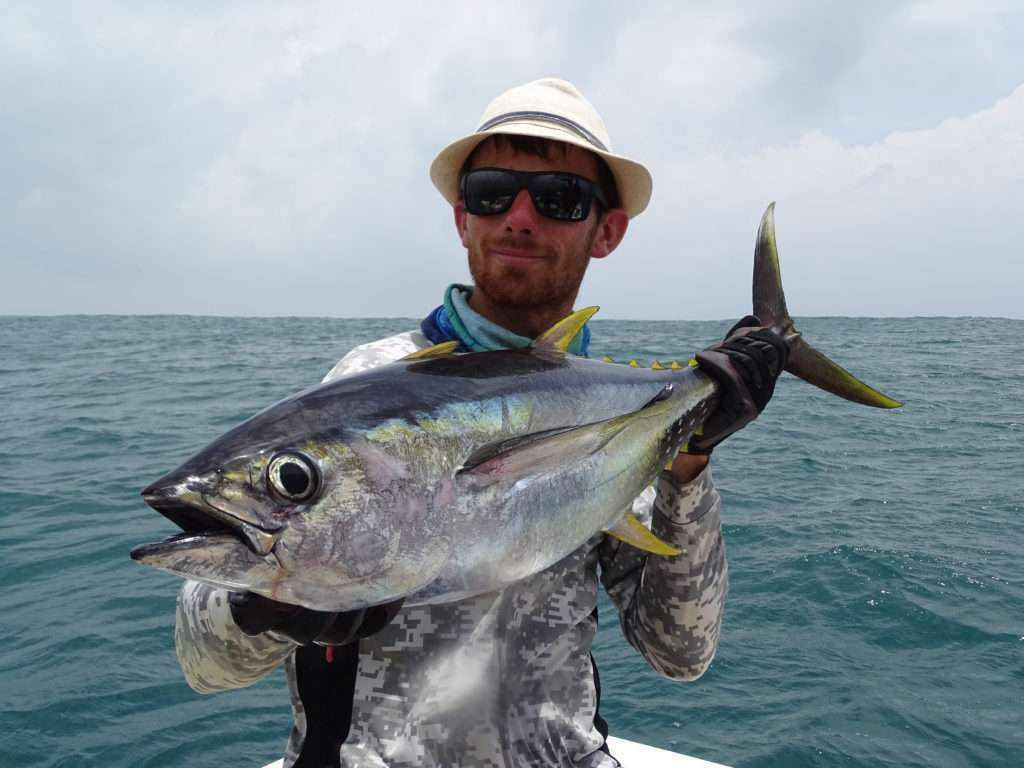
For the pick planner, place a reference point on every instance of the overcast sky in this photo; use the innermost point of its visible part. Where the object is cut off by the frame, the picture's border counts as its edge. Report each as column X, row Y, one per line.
column 271, row 159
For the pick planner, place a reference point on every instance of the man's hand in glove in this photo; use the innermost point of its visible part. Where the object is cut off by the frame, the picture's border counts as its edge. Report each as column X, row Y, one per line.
column 255, row 614
column 746, row 365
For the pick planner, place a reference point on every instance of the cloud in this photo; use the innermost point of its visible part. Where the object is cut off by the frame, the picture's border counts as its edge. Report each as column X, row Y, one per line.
column 270, row 159
column 922, row 222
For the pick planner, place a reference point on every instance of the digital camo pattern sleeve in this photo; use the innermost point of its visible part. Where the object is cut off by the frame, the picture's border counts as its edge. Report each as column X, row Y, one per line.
column 671, row 607
column 215, row 655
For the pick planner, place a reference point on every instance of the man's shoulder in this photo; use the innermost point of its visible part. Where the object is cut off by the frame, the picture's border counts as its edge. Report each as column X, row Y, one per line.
column 379, row 352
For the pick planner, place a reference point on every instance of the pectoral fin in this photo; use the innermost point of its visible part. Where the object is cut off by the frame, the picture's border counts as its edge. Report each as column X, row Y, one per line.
column 540, row 451
column 635, row 533
column 552, row 449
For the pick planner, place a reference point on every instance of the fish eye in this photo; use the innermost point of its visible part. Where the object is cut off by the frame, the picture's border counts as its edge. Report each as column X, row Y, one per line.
column 292, row 477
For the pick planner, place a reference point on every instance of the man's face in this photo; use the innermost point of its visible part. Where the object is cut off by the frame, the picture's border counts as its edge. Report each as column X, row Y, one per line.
column 522, row 259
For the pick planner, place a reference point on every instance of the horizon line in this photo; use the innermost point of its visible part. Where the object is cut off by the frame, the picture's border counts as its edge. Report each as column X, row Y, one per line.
column 4, row 315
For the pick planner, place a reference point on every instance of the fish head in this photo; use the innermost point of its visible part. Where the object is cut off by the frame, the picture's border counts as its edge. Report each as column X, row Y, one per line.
column 312, row 521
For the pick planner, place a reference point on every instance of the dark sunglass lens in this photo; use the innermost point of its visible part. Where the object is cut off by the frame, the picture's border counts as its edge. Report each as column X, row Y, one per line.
column 561, row 196
column 488, row 192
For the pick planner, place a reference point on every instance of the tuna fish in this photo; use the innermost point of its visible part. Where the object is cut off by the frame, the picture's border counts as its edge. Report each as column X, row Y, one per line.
column 443, row 475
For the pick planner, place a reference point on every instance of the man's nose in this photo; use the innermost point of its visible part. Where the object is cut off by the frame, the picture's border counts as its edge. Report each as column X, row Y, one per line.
column 522, row 216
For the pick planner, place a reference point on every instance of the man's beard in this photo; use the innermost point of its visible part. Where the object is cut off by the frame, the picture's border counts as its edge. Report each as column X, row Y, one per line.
column 555, row 284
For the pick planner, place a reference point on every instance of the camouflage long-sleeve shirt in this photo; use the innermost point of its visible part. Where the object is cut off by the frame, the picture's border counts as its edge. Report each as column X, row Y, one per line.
column 502, row 679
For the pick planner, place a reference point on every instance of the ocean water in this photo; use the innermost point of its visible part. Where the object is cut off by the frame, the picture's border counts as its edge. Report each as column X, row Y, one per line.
column 876, row 612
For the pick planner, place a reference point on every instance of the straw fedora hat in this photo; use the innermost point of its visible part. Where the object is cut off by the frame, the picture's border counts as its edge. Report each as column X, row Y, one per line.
column 549, row 109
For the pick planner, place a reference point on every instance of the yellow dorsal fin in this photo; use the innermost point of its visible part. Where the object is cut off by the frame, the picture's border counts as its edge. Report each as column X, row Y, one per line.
column 438, row 350
column 656, row 365
column 607, row 359
column 633, row 363
column 561, row 334
column 635, row 533
column 675, row 365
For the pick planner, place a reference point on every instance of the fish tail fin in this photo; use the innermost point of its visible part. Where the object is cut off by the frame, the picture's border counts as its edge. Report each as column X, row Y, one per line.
column 804, row 360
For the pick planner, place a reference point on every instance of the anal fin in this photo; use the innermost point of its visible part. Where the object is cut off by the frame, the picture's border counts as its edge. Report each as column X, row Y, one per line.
column 630, row 530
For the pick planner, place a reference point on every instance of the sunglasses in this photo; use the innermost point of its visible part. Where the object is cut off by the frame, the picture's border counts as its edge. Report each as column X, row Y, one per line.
column 556, row 195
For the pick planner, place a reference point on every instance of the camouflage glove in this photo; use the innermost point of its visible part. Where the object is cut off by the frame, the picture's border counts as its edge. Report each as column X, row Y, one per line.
column 255, row 614
column 746, row 365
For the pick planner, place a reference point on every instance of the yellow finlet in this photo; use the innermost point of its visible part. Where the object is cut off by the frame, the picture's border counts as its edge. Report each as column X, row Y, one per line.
column 561, row 334
column 692, row 362
column 443, row 349
column 656, row 365
column 635, row 533
column 685, row 447
column 676, row 366
column 607, row 359
column 633, row 363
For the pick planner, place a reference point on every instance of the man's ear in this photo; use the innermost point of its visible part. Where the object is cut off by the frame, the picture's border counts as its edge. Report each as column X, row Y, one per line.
column 610, row 231
column 459, row 209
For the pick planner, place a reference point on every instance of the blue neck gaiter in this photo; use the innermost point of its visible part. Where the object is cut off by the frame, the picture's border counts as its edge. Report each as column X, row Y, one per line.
column 454, row 320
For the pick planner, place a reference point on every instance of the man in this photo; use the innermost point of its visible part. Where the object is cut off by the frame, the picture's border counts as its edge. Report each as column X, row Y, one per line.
column 506, row 678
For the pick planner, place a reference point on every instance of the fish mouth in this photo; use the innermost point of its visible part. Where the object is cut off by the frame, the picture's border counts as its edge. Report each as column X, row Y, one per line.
column 188, row 505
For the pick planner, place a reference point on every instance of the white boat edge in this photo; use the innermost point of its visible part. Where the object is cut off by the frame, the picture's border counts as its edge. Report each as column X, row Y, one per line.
column 631, row 754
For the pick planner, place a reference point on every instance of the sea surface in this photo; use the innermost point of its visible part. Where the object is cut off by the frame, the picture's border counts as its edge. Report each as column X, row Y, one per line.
column 876, row 611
